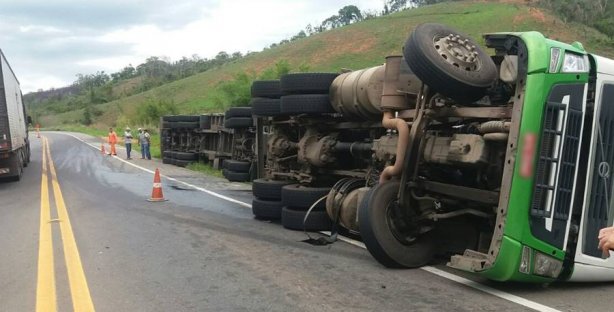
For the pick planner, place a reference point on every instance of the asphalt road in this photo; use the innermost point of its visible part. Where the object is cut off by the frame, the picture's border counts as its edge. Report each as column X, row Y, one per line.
column 198, row 252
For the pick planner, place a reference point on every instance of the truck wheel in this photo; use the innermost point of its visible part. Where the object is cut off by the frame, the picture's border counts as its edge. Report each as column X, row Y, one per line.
column 25, row 157
column 185, row 156
column 449, row 62
column 238, row 122
column 302, row 197
column 266, row 89
column 238, row 112
column 181, row 118
column 305, row 104
column 268, row 189
column 237, row 165
column 183, row 124
column 387, row 239
column 307, row 83
column 182, row 163
column 265, row 107
column 234, row 176
column 18, row 166
column 266, row 209
column 293, row 220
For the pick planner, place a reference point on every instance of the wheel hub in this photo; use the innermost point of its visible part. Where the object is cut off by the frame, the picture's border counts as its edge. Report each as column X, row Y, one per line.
column 458, row 52
column 399, row 226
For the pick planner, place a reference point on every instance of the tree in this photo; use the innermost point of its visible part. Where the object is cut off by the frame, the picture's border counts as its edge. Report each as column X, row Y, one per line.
column 330, row 23
column 349, row 14
column 300, row 35
column 397, row 5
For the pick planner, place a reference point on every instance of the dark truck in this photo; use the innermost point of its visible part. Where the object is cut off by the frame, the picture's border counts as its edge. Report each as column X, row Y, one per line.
column 14, row 142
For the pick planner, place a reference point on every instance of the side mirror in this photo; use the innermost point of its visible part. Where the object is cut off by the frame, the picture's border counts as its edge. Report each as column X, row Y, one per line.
column 29, row 118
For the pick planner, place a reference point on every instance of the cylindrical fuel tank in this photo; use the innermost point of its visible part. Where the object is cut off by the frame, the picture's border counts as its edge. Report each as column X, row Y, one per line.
column 358, row 94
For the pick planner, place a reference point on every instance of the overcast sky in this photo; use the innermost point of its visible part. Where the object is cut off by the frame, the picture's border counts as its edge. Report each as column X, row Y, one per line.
column 48, row 42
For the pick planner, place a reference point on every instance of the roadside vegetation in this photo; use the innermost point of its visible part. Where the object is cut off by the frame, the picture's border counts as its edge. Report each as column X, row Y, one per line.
column 138, row 95
column 205, row 168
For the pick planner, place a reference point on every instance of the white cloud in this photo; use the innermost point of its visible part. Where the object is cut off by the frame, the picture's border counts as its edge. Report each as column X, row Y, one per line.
column 49, row 50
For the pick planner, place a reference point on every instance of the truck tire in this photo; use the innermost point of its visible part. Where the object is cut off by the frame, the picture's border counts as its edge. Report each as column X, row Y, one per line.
column 17, row 165
column 266, row 89
column 182, row 163
column 26, row 157
column 295, row 220
column 268, row 189
column 167, row 160
column 375, row 218
column 185, row 156
column 265, row 107
column 431, row 53
column 305, row 104
column 183, row 124
column 167, row 154
column 301, row 197
column 234, row 176
column 266, row 209
column 238, row 112
column 205, row 122
column 238, row 122
column 307, row 83
column 237, row 165
column 181, row 118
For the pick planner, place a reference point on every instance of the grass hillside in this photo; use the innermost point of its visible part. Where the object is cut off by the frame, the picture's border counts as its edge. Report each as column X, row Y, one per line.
column 355, row 46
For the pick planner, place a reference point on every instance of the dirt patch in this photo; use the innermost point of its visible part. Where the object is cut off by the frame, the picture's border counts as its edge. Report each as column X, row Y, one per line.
column 534, row 14
column 352, row 42
column 519, row 2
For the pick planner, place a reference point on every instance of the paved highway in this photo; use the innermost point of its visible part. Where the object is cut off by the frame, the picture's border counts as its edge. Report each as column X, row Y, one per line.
column 78, row 234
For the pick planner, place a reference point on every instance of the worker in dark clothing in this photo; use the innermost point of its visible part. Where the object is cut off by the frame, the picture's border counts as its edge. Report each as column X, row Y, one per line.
column 145, row 142
column 128, row 142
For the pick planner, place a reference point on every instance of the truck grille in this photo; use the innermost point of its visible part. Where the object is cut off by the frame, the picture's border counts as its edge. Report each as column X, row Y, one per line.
column 556, row 164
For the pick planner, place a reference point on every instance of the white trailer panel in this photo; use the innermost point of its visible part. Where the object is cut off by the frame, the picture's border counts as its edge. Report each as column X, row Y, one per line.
column 13, row 124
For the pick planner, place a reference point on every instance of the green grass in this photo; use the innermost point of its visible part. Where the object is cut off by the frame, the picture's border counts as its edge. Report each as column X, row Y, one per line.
column 102, row 134
column 205, row 168
column 356, row 46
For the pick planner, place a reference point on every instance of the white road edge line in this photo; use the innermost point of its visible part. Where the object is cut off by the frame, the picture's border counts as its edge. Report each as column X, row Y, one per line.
column 467, row 282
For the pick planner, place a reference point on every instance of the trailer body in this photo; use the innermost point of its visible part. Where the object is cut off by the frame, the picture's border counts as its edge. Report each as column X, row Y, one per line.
column 14, row 142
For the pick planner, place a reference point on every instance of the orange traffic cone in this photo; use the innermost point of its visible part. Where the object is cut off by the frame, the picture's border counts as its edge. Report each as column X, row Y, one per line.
column 102, row 151
column 156, row 193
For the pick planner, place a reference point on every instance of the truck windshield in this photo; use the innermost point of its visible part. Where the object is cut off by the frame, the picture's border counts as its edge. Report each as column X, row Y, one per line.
column 599, row 213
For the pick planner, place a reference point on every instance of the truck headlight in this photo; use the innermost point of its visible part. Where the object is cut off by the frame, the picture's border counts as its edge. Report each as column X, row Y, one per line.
column 574, row 63
column 555, row 56
column 525, row 260
column 546, row 265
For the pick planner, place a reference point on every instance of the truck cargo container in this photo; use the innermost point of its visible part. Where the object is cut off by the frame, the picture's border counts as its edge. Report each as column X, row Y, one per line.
column 14, row 142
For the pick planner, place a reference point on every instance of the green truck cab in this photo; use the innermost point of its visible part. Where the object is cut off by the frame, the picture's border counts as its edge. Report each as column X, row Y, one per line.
column 554, row 106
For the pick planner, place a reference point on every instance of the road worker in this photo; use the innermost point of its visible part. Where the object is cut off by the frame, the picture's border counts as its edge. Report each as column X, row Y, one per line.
column 145, row 141
column 112, row 141
column 128, row 142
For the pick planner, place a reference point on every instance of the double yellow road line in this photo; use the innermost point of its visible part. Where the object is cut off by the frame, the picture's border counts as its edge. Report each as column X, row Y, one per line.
column 46, row 299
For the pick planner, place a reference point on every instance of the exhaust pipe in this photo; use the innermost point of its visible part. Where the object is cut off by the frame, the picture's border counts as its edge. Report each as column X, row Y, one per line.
column 390, row 122
column 393, row 100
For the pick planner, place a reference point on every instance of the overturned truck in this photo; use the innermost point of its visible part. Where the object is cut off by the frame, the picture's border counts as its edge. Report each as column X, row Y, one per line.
column 499, row 162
